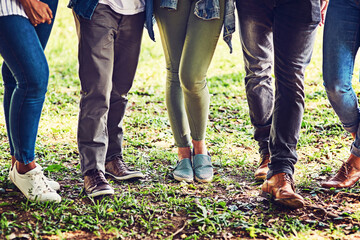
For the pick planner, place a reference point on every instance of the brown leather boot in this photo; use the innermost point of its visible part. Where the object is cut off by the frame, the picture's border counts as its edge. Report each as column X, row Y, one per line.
column 280, row 188
column 261, row 171
column 347, row 176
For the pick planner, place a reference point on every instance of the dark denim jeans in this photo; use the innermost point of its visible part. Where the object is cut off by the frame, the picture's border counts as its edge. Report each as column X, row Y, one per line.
column 25, row 74
column 285, row 31
column 341, row 43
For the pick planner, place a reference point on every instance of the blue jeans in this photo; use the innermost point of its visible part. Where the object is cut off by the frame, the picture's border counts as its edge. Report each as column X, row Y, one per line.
column 341, row 42
column 285, row 31
column 25, row 74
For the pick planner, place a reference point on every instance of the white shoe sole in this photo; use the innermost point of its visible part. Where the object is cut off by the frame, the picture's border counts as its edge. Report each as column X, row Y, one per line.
column 101, row 193
column 130, row 176
column 183, row 179
column 206, row 180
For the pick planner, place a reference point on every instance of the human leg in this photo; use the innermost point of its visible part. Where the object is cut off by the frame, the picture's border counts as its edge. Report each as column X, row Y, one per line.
column 25, row 79
column 256, row 20
column 96, row 59
column 43, row 33
column 24, row 55
column 341, row 43
column 199, row 47
column 126, row 56
column 200, row 43
column 172, row 28
column 294, row 33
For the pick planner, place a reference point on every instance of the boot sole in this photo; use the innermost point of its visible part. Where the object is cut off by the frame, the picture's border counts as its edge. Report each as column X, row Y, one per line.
column 292, row 203
column 337, row 187
column 260, row 178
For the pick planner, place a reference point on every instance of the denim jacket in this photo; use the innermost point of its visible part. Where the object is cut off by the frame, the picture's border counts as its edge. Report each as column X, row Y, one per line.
column 210, row 9
column 86, row 8
column 205, row 9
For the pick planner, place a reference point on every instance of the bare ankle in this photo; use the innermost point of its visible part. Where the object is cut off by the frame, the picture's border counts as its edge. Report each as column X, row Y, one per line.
column 24, row 168
column 184, row 152
column 199, row 147
column 13, row 161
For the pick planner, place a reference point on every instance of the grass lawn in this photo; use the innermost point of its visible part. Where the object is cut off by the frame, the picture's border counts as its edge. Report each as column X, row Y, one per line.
column 158, row 207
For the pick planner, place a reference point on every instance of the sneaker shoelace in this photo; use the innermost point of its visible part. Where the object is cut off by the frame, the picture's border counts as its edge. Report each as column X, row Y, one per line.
column 289, row 179
column 45, row 177
column 344, row 168
column 99, row 178
column 122, row 166
column 40, row 185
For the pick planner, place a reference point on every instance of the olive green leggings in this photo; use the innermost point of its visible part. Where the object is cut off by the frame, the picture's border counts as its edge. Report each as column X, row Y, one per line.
column 189, row 44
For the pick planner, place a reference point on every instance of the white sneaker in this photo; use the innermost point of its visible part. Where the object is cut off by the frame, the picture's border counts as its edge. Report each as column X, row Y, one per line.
column 33, row 185
column 52, row 183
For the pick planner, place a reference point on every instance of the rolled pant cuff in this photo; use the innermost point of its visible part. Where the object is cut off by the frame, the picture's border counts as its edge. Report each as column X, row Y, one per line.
column 277, row 171
column 355, row 150
column 110, row 158
column 351, row 129
column 25, row 161
column 264, row 147
column 182, row 145
column 264, row 151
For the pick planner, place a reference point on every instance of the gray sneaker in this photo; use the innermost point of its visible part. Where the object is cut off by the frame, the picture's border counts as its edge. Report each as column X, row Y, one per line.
column 183, row 171
column 202, row 167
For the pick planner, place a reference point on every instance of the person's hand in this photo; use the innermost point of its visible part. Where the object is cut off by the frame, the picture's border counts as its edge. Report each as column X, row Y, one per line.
column 324, row 4
column 37, row 11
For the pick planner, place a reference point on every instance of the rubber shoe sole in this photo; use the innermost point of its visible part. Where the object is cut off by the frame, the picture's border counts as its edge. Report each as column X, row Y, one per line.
column 100, row 193
column 178, row 178
column 260, row 178
column 206, row 180
column 129, row 176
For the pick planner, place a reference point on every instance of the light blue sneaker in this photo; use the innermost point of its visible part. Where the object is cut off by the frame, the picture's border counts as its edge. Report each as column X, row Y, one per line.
column 202, row 167
column 183, row 171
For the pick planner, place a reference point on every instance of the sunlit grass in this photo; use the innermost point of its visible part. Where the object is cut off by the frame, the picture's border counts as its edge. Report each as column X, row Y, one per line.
column 158, row 207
